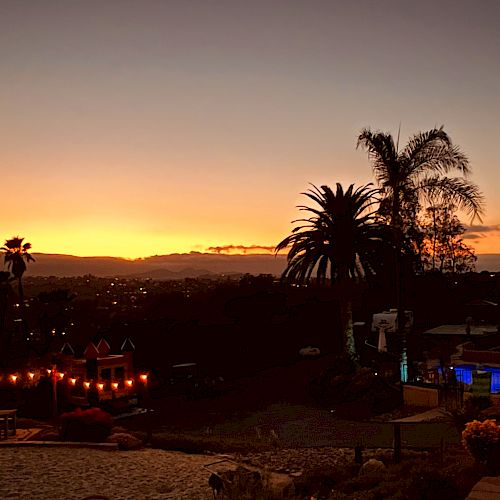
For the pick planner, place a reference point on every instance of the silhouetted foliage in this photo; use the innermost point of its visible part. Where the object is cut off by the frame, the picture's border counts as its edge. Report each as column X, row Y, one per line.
column 339, row 243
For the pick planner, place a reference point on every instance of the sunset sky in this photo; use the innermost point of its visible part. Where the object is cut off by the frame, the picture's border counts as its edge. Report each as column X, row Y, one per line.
column 133, row 128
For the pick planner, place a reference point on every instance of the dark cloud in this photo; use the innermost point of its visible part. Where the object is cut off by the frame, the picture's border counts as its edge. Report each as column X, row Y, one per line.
column 226, row 249
column 480, row 232
column 484, row 229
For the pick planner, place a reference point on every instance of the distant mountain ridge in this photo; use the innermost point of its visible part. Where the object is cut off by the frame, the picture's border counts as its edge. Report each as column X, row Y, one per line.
column 173, row 266
column 180, row 266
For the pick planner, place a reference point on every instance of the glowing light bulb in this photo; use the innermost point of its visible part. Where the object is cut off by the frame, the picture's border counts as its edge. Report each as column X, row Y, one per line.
column 129, row 383
column 114, row 385
column 100, row 387
column 86, row 385
column 72, row 381
column 31, row 375
column 60, row 375
column 13, row 378
column 143, row 377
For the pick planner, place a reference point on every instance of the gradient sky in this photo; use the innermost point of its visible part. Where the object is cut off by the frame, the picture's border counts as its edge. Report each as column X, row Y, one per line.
column 132, row 128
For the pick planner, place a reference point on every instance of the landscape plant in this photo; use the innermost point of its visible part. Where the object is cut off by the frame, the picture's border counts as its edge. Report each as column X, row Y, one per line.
column 482, row 441
column 413, row 177
column 92, row 425
column 339, row 244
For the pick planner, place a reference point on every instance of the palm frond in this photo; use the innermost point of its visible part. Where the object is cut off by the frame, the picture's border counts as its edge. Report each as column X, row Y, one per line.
column 465, row 195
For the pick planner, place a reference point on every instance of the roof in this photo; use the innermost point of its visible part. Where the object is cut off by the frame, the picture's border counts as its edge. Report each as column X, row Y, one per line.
column 476, row 330
column 426, row 416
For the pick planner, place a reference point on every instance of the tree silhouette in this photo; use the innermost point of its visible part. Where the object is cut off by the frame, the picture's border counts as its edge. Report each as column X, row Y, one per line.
column 416, row 175
column 15, row 255
column 339, row 243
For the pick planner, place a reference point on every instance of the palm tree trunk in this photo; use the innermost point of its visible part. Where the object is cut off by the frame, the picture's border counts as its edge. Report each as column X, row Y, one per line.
column 347, row 328
column 398, row 284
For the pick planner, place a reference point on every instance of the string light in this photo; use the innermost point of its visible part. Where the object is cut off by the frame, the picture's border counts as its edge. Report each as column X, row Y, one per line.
column 32, row 376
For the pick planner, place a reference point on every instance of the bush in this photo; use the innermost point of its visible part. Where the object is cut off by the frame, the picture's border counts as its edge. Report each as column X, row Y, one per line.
column 471, row 410
column 92, row 425
column 430, row 483
column 482, row 441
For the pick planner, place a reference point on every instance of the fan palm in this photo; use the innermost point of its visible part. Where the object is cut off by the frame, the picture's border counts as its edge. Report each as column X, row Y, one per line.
column 338, row 243
column 15, row 255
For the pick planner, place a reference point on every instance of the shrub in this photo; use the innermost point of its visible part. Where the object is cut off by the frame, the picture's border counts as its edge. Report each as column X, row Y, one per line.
column 482, row 441
column 471, row 410
column 92, row 425
column 430, row 483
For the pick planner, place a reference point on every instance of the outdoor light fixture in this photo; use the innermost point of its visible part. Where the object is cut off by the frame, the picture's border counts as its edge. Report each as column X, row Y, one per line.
column 31, row 375
column 144, row 378
column 129, row 383
column 100, row 387
column 60, row 375
column 114, row 385
column 13, row 378
column 86, row 385
column 72, row 381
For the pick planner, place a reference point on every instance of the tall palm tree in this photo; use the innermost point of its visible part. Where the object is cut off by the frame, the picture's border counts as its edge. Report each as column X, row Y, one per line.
column 416, row 175
column 15, row 255
column 338, row 243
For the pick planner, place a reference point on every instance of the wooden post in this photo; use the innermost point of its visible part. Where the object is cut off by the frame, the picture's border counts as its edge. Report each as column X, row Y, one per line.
column 54, row 392
column 358, row 454
column 397, row 443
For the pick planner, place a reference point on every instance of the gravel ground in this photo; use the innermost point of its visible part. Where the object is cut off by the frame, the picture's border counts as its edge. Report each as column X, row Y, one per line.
column 37, row 473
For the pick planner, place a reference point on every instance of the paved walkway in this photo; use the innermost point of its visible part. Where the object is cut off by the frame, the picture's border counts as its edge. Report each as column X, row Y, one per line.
column 486, row 489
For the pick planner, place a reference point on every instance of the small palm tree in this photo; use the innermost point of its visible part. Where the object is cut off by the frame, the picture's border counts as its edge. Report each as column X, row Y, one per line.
column 338, row 243
column 16, row 255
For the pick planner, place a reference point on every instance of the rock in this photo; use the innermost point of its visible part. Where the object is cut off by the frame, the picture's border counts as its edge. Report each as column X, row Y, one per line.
column 372, row 466
column 125, row 441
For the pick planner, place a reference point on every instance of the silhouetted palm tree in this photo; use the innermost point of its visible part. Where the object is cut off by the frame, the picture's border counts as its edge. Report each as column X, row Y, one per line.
column 415, row 175
column 418, row 173
column 15, row 255
column 337, row 243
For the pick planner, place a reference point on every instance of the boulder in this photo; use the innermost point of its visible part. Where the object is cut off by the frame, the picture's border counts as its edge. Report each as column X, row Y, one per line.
column 372, row 466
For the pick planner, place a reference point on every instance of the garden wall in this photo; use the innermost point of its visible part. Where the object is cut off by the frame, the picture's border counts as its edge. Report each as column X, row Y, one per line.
column 427, row 397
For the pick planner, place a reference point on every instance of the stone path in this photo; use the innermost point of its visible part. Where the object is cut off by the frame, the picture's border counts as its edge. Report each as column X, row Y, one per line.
column 38, row 473
column 486, row 489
